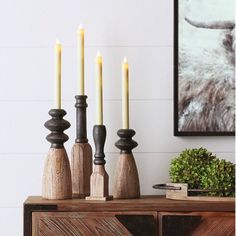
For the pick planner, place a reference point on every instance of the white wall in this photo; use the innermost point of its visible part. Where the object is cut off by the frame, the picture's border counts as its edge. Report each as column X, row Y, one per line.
column 140, row 30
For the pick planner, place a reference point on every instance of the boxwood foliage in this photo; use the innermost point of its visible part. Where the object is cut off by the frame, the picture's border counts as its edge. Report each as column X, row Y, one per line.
column 202, row 170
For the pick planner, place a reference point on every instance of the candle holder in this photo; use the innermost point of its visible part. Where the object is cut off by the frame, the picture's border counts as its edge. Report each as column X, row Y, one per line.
column 81, row 155
column 57, row 174
column 126, row 180
column 99, row 178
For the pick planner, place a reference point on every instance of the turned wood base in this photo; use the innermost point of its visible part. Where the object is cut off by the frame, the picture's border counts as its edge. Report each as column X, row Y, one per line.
column 99, row 184
column 81, row 169
column 126, row 180
column 57, row 175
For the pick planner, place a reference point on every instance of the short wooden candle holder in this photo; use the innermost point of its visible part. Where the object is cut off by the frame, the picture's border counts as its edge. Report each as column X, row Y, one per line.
column 126, row 180
column 99, row 180
column 81, row 155
column 57, row 174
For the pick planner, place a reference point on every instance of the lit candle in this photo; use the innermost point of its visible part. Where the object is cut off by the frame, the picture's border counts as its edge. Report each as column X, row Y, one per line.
column 80, row 46
column 125, row 94
column 99, row 89
column 57, row 49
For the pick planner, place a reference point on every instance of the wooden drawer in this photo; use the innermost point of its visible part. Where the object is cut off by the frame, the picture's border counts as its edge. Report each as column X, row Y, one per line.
column 94, row 223
column 146, row 216
column 197, row 224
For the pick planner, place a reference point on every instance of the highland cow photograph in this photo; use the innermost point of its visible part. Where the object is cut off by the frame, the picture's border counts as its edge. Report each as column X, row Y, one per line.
column 204, row 78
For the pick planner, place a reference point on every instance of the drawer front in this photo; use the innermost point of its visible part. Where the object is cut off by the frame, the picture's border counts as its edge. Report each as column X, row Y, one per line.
column 91, row 223
column 197, row 224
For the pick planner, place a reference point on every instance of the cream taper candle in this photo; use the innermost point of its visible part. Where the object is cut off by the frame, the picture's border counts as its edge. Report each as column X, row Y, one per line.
column 99, row 89
column 80, row 49
column 125, row 94
column 57, row 49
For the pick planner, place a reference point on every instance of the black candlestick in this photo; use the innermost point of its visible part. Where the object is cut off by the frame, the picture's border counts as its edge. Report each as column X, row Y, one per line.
column 126, row 180
column 81, row 155
column 57, row 125
column 126, row 143
column 99, row 178
column 81, row 119
column 99, row 136
column 57, row 174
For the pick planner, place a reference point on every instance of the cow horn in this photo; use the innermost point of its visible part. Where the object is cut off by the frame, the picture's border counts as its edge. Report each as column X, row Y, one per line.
column 212, row 24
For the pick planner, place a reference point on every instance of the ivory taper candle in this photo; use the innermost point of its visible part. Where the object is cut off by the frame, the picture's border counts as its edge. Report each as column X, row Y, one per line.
column 57, row 52
column 125, row 94
column 99, row 89
column 80, row 49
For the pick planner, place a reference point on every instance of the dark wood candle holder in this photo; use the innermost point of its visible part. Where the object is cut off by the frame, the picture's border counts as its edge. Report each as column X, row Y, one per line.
column 99, row 180
column 57, row 174
column 126, row 181
column 81, row 155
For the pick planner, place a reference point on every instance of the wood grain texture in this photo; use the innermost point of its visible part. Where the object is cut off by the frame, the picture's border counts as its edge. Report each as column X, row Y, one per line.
column 201, row 198
column 197, row 224
column 126, row 180
column 144, row 216
column 57, row 175
column 76, row 224
column 25, row 166
column 99, row 184
column 145, row 203
column 81, row 169
column 182, row 194
column 216, row 225
column 28, row 210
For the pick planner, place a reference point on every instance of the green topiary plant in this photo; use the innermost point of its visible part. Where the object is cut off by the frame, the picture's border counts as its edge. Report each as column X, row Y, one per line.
column 203, row 170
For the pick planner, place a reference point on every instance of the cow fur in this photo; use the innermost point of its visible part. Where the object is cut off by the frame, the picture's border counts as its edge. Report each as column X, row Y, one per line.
column 206, row 100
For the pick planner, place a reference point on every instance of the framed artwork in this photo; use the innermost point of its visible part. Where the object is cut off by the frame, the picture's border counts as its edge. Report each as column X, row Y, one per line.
column 204, row 67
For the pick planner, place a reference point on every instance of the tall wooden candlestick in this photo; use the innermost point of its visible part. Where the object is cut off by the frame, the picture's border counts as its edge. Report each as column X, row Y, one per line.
column 57, row 174
column 81, row 156
column 126, row 180
column 99, row 178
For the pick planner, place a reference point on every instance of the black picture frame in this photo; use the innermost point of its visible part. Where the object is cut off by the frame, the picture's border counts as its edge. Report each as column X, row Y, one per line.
column 176, row 79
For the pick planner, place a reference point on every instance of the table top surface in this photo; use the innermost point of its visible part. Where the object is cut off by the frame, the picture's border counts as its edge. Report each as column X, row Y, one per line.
column 145, row 203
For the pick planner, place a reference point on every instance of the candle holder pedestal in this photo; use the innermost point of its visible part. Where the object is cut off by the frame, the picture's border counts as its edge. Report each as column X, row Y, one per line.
column 99, row 180
column 126, row 181
column 57, row 174
column 81, row 154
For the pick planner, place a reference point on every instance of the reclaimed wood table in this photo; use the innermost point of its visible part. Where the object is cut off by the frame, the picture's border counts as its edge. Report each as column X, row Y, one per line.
column 149, row 215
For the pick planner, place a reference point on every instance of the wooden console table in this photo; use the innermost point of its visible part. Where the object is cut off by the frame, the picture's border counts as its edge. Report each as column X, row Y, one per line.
column 150, row 215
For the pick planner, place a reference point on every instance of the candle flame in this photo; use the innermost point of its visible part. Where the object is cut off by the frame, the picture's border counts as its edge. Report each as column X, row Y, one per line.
column 57, row 41
column 99, row 58
column 125, row 60
column 80, row 30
